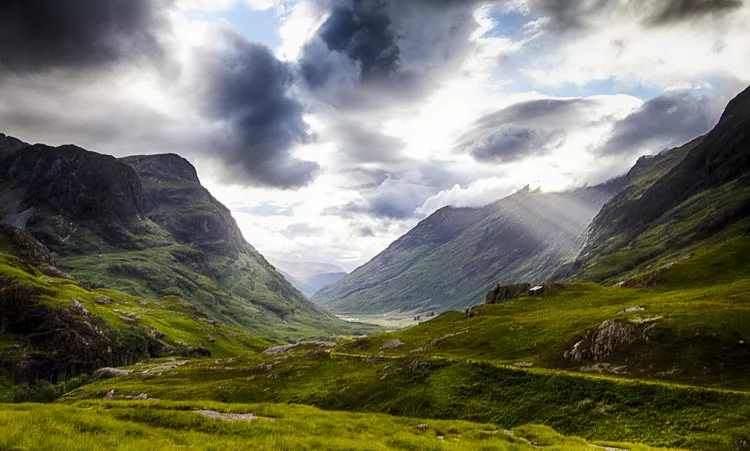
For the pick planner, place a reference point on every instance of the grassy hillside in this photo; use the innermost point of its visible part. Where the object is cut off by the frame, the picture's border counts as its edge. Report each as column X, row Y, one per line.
column 53, row 329
column 160, row 425
column 452, row 258
column 671, row 209
column 689, row 325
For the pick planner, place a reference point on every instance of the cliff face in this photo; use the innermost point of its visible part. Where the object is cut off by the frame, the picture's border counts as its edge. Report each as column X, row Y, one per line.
column 55, row 191
column 174, row 198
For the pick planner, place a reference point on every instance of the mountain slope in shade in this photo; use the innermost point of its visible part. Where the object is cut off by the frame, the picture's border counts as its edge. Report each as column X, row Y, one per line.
column 308, row 277
column 452, row 258
column 145, row 226
column 703, row 197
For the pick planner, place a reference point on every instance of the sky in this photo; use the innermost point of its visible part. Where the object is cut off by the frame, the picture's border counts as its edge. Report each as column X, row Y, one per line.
column 332, row 127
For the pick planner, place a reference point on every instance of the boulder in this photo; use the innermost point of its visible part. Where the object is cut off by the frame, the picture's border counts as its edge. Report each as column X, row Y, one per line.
column 505, row 293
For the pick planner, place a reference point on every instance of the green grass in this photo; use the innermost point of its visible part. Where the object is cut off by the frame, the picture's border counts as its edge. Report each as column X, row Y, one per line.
column 169, row 425
column 593, row 407
column 179, row 321
column 235, row 292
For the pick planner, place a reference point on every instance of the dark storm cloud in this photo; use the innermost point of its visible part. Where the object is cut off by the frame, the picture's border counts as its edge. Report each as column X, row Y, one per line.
column 534, row 110
column 524, row 129
column 394, row 47
column 510, row 143
column 681, row 10
column 364, row 33
column 576, row 14
column 247, row 91
column 665, row 121
column 41, row 35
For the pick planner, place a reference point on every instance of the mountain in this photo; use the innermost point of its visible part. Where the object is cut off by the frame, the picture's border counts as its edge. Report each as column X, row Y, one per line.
column 309, row 277
column 451, row 258
column 9, row 144
column 694, row 196
column 53, row 329
column 144, row 225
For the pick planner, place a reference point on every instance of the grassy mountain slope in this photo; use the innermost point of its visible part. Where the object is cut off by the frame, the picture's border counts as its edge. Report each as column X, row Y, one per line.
column 167, row 425
column 703, row 199
column 452, row 258
column 150, row 229
column 52, row 329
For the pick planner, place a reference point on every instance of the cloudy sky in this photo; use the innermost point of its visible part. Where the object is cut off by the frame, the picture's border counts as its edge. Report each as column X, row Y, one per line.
column 331, row 127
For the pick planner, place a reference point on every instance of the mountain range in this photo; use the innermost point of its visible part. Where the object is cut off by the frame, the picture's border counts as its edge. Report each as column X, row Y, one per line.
column 664, row 205
column 308, row 277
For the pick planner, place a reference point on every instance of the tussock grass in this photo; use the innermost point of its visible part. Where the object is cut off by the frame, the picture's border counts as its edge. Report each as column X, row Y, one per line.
column 168, row 425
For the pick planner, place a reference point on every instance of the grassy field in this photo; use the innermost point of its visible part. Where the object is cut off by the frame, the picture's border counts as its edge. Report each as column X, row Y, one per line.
column 591, row 406
column 157, row 425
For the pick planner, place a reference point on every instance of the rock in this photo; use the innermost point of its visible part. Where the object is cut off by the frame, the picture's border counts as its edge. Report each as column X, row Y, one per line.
column 505, row 293
column 290, row 347
column 391, row 344
column 631, row 309
column 604, row 368
column 211, row 340
column 422, row 427
column 604, row 341
column 78, row 306
column 157, row 334
column 112, row 372
column 439, row 340
column 227, row 416
column 103, row 300
column 536, row 291
column 523, row 365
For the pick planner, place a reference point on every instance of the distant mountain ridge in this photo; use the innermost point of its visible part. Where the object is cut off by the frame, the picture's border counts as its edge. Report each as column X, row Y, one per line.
column 451, row 258
column 309, row 277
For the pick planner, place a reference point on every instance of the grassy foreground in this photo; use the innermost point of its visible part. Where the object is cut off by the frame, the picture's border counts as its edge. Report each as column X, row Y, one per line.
column 593, row 407
column 157, row 425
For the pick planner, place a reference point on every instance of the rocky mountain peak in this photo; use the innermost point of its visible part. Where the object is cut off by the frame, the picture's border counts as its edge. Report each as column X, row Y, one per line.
column 73, row 183
column 11, row 144
column 163, row 166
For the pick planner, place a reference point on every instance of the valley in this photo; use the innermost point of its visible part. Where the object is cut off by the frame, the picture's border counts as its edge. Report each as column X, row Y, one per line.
column 608, row 317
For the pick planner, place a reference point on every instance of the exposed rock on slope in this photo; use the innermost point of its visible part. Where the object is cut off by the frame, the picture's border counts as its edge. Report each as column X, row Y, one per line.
column 454, row 256
column 68, row 186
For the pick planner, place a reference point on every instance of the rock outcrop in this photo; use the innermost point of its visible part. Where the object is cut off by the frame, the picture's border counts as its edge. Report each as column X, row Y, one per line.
column 505, row 293
column 604, row 341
